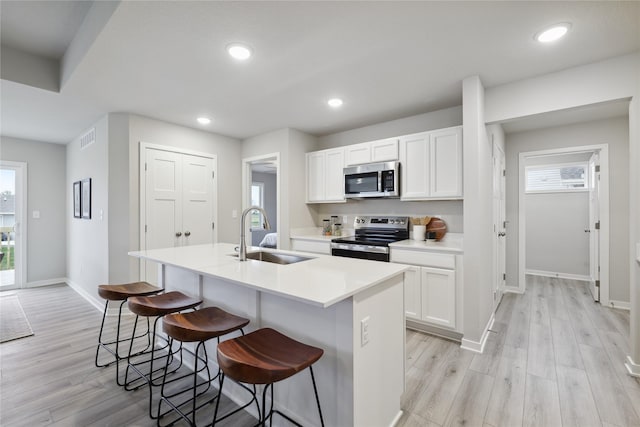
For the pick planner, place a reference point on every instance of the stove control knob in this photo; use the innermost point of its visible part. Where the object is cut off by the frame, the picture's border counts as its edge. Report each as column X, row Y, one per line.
column 393, row 221
column 402, row 222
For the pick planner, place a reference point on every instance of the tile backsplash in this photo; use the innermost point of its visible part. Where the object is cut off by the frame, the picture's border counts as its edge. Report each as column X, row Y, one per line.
column 450, row 211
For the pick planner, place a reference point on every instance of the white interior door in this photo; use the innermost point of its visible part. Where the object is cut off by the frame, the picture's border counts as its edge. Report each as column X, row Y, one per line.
column 178, row 202
column 499, row 214
column 594, row 225
column 197, row 196
column 163, row 222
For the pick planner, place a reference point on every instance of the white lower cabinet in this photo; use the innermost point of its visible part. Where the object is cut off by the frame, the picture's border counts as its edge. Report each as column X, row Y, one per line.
column 413, row 293
column 430, row 295
column 438, row 287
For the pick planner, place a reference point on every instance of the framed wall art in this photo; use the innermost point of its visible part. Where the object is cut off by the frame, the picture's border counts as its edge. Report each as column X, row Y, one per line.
column 76, row 200
column 85, row 198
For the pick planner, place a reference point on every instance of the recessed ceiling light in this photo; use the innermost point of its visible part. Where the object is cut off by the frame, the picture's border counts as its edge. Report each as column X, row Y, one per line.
column 335, row 102
column 204, row 120
column 553, row 33
column 239, row 51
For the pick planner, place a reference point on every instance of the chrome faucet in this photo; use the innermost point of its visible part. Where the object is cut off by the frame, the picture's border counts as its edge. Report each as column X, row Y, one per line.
column 242, row 255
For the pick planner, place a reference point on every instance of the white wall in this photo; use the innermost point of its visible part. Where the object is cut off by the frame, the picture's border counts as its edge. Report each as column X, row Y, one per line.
column 226, row 149
column 613, row 132
column 478, row 220
column 291, row 145
column 405, row 126
column 88, row 240
column 46, row 192
column 556, row 241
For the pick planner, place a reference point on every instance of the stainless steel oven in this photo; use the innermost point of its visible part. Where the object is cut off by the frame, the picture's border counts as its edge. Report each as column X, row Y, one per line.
column 372, row 237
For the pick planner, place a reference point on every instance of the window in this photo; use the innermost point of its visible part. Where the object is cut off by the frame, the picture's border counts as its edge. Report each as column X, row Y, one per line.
column 257, row 199
column 557, row 178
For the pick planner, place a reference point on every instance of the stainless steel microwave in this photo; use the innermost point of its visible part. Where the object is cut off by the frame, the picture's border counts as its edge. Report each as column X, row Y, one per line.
column 372, row 180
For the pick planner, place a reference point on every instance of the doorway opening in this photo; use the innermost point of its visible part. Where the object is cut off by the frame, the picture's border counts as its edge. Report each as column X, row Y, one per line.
column 564, row 216
column 12, row 224
column 261, row 187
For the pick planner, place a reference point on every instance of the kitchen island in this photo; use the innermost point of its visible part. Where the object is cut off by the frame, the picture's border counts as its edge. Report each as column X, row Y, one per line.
column 353, row 309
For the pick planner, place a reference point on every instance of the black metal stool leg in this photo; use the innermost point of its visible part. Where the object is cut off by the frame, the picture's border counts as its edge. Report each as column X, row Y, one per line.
column 315, row 390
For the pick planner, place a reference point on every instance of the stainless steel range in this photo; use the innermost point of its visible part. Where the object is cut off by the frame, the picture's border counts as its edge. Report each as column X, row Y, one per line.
column 373, row 235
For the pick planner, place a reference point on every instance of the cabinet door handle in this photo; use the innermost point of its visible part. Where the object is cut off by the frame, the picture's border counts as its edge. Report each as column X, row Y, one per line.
column 187, row 233
column 502, row 234
column 178, row 234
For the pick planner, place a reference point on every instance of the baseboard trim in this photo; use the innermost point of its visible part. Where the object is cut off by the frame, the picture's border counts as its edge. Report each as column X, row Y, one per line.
column 558, row 275
column 98, row 304
column 397, row 418
column 433, row 330
column 512, row 290
column 632, row 368
column 48, row 282
column 621, row 305
column 478, row 346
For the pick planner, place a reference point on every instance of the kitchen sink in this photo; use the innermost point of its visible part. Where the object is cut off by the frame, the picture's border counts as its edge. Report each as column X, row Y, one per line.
column 275, row 257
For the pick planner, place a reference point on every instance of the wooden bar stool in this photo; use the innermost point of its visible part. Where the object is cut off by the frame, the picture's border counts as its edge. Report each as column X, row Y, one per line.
column 265, row 357
column 154, row 306
column 121, row 293
column 197, row 326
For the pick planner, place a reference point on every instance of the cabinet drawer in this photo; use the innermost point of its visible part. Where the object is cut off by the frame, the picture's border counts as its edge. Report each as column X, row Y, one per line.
column 423, row 258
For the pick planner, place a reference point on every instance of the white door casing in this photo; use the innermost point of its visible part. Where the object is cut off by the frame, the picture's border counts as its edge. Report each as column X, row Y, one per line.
column 177, row 192
column 603, row 208
column 499, row 223
column 20, row 226
column 594, row 225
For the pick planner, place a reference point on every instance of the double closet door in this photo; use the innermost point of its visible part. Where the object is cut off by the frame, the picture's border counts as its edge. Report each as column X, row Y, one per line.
column 178, row 202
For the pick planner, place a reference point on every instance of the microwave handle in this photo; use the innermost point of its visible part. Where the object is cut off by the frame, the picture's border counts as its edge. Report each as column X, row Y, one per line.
column 379, row 181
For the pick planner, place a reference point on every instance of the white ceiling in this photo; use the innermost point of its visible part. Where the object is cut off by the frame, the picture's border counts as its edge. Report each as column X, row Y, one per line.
column 387, row 60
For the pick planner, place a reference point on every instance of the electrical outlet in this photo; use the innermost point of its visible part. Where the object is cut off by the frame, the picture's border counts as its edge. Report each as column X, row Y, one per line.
column 344, row 219
column 234, row 214
column 364, row 331
column 36, row 214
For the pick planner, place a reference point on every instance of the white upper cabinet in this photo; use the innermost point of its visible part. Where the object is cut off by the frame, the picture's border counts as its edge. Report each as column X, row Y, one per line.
column 325, row 180
column 414, row 171
column 431, row 165
column 357, row 154
column 446, row 163
column 383, row 150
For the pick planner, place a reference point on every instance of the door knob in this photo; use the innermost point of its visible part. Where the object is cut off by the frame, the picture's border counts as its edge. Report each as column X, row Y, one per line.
column 586, row 230
column 178, row 234
column 187, row 233
column 502, row 234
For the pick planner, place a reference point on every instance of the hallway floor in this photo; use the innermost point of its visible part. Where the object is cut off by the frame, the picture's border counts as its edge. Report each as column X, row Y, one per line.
column 553, row 358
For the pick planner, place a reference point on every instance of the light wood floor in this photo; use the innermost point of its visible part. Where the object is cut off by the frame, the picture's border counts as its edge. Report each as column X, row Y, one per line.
column 554, row 358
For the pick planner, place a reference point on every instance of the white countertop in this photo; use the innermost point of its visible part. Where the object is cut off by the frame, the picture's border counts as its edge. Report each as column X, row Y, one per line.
column 451, row 243
column 322, row 281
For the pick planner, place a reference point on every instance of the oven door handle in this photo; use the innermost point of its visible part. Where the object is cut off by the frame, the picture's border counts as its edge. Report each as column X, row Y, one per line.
column 360, row 248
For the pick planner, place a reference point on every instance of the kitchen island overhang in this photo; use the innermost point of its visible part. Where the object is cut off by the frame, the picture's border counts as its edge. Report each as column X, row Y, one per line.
column 353, row 309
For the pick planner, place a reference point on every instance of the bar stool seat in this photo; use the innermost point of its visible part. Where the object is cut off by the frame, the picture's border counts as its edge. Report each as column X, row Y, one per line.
column 196, row 326
column 127, row 290
column 121, row 292
column 202, row 325
column 266, row 356
column 155, row 306
column 160, row 305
